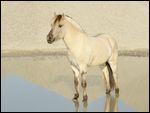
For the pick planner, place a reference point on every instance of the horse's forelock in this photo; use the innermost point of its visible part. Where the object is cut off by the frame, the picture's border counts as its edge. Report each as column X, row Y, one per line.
column 58, row 18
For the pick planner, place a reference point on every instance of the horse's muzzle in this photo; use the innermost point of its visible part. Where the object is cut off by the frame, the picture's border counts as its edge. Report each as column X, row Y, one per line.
column 51, row 40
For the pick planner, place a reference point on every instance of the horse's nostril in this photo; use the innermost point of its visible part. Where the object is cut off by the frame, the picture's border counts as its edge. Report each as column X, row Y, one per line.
column 48, row 41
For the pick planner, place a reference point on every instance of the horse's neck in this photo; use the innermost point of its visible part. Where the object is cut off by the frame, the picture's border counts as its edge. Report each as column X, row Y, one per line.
column 73, row 38
column 71, row 21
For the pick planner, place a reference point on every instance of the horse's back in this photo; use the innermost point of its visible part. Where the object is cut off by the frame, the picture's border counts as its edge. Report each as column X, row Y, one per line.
column 111, row 42
column 107, row 37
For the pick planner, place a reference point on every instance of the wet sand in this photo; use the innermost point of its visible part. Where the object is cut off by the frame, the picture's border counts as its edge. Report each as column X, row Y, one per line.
column 54, row 74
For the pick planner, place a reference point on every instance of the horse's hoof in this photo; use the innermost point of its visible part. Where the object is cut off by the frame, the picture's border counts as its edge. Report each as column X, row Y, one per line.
column 108, row 91
column 74, row 99
column 117, row 91
column 76, row 96
column 85, row 98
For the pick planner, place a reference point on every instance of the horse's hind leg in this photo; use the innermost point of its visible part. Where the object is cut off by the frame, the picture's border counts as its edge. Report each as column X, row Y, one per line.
column 76, row 82
column 113, row 65
column 106, row 77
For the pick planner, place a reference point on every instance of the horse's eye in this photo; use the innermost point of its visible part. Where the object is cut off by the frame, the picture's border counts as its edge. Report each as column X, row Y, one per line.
column 60, row 25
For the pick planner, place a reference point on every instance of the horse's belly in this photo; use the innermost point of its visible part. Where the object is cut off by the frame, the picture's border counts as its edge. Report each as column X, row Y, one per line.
column 99, row 56
column 98, row 60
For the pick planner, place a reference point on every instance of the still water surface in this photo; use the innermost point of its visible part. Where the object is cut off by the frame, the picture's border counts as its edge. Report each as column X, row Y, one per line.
column 46, row 84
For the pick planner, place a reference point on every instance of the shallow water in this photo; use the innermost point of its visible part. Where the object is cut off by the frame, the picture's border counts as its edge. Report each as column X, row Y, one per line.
column 46, row 84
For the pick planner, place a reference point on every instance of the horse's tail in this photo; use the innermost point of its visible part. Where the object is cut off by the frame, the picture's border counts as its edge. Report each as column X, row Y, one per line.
column 111, row 78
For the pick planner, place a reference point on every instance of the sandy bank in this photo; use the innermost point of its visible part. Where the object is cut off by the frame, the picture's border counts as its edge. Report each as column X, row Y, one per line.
column 63, row 51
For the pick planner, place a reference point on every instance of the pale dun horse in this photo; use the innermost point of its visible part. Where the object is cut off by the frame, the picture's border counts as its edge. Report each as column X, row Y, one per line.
column 84, row 51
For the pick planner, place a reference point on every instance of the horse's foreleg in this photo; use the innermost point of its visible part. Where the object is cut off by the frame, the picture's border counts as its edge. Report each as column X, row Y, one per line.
column 84, row 85
column 76, row 82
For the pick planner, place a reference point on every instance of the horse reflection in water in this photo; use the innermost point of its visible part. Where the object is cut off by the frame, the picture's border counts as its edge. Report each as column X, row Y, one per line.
column 111, row 104
column 77, row 106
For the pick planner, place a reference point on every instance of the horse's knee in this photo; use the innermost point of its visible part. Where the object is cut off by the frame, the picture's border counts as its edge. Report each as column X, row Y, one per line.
column 83, row 77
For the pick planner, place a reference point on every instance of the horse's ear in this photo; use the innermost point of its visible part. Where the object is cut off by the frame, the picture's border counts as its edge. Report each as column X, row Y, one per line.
column 54, row 14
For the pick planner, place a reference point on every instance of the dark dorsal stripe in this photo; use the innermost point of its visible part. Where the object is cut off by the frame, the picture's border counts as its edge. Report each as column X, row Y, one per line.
column 68, row 16
column 58, row 18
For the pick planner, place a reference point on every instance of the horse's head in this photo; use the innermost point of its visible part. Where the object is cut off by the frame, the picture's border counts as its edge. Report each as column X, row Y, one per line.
column 57, row 29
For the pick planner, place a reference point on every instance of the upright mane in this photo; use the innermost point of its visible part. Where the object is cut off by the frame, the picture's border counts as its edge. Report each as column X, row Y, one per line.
column 73, row 22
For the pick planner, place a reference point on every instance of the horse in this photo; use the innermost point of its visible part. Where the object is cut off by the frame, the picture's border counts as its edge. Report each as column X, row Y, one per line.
column 84, row 51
